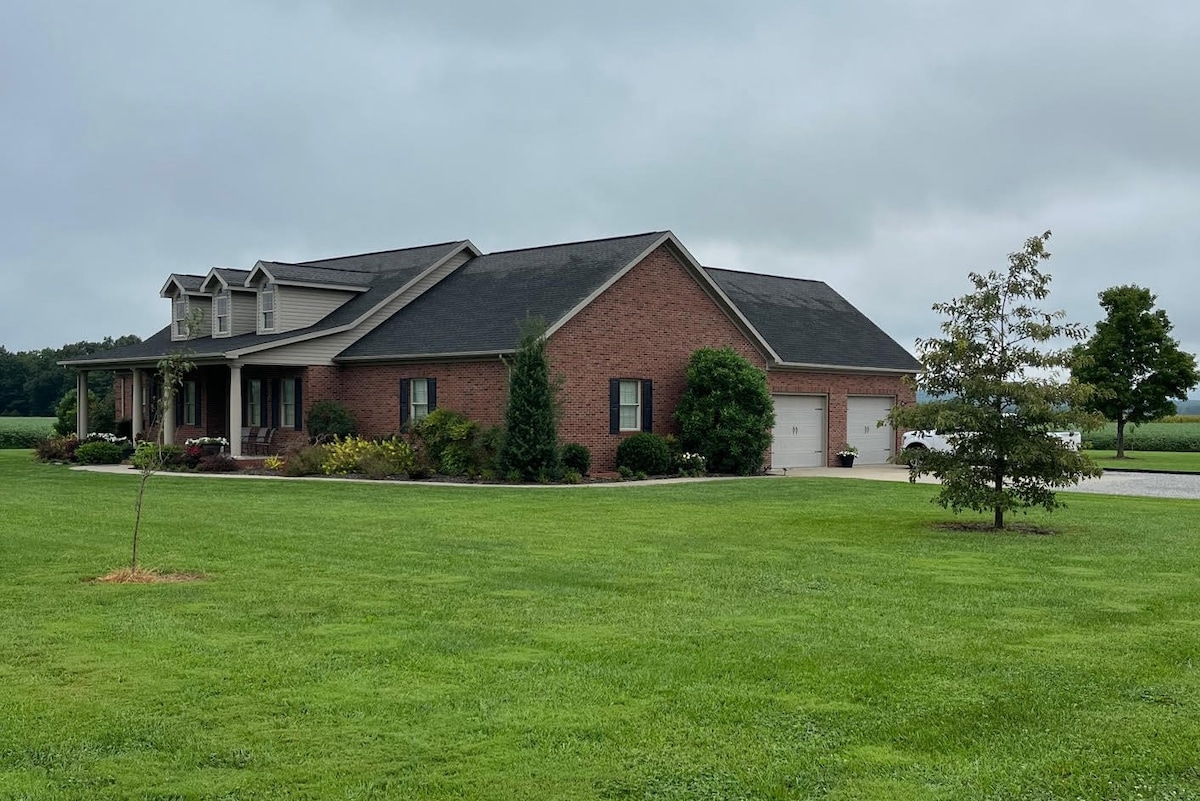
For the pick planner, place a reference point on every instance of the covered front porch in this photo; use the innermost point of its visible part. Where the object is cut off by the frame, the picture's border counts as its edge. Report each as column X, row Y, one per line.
column 258, row 409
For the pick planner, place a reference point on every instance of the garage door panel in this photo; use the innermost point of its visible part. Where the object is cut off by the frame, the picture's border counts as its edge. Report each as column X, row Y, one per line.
column 798, row 439
column 874, row 442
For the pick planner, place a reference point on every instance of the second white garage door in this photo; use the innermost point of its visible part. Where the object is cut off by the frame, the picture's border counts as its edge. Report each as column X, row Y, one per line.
column 798, row 439
column 874, row 443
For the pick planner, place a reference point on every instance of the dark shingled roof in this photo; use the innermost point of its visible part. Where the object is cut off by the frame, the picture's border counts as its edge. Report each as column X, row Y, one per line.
column 406, row 265
column 806, row 322
column 318, row 275
column 478, row 308
column 190, row 283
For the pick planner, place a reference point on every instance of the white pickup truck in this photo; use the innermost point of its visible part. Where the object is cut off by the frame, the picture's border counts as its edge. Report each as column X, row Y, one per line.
column 936, row 441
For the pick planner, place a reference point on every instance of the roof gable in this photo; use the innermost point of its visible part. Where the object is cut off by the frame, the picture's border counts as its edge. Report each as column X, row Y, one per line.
column 479, row 307
column 807, row 323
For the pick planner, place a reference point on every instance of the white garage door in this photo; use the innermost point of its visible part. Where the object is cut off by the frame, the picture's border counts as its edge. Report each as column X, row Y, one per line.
column 799, row 436
column 874, row 443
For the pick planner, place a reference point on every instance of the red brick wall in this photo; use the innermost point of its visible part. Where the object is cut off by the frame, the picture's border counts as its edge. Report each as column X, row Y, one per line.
column 646, row 325
column 836, row 387
column 478, row 389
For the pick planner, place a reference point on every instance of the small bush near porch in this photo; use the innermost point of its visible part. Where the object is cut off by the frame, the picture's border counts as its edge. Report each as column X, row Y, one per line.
column 764, row 639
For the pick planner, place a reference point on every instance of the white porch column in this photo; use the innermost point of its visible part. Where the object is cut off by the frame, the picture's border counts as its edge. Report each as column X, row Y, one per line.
column 81, row 405
column 235, row 410
column 139, row 425
column 168, row 417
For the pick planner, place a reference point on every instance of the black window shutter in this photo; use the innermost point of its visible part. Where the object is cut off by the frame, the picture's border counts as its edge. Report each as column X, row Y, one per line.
column 299, row 404
column 246, row 402
column 647, row 405
column 404, row 396
column 180, row 395
column 196, row 390
column 614, row 405
column 432, row 384
column 276, row 402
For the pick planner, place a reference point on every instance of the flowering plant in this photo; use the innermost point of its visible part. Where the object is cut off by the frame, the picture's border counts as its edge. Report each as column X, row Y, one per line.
column 848, row 450
column 692, row 464
column 103, row 436
column 207, row 441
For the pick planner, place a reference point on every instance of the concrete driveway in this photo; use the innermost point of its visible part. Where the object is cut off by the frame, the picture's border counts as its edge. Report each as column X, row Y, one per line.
column 1147, row 485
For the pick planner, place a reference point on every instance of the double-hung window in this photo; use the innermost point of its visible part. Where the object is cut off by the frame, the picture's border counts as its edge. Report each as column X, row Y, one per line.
column 180, row 316
column 418, row 397
column 630, row 405
column 266, row 300
column 254, row 402
column 287, row 403
column 222, row 315
column 191, row 404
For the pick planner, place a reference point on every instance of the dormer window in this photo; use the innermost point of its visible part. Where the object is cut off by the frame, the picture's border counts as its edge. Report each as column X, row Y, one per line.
column 222, row 314
column 179, row 315
column 266, row 308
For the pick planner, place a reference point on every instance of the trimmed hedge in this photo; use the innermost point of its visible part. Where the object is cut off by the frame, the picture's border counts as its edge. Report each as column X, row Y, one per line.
column 15, row 439
column 1173, row 437
column 646, row 453
column 100, row 453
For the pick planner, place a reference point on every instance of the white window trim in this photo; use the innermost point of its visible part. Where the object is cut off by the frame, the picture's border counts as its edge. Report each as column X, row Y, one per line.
column 218, row 317
column 268, row 290
column 179, row 312
column 637, row 407
column 412, row 399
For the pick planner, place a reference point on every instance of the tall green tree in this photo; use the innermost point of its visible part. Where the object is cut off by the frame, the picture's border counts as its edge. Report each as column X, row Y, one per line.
column 530, row 444
column 997, row 393
column 726, row 413
column 1136, row 369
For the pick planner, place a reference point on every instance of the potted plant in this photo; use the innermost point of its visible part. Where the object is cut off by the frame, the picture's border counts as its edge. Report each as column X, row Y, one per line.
column 846, row 455
column 209, row 446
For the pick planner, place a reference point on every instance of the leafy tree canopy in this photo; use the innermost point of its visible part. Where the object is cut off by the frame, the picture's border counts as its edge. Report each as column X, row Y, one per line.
column 994, row 379
column 1136, row 369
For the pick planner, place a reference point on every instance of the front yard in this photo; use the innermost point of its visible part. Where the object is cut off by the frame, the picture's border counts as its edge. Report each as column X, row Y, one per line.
column 783, row 638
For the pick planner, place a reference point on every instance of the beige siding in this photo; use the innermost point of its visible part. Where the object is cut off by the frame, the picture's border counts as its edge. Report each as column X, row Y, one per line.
column 298, row 306
column 243, row 307
column 321, row 350
column 204, row 304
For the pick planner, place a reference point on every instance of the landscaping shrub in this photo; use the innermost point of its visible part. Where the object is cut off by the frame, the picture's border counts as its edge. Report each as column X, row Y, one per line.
column 576, row 457
column 217, row 463
column 530, row 445
column 691, row 464
column 101, row 414
column 18, row 439
column 455, row 445
column 572, row 476
column 726, row 412
column 308, row 461
column 329, row 419
column 56, row 448
column 645, row 452
column 355, row 455
column 1178, row 437
column 100, row 452
column 165, row 457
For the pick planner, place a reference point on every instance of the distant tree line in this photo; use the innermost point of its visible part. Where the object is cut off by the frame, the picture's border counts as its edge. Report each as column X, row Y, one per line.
column 32, row 383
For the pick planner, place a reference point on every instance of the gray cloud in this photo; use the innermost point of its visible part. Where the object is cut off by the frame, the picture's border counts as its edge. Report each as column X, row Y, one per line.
column 885, row 147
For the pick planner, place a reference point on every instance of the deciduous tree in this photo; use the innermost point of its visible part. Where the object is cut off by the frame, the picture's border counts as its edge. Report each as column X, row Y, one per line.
column 998, row 391
column 1133, row 364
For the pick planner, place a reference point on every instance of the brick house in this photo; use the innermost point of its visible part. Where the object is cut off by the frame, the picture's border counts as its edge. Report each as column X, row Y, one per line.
column 395, row 334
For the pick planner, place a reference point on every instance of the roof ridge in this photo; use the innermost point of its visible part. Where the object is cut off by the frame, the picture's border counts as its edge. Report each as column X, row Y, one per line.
column 765, row 275
column 315, row 262
column 317, row 267
column 577, row 242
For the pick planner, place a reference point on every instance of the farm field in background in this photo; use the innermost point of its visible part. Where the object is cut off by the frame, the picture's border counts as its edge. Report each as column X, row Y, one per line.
column 774, row 638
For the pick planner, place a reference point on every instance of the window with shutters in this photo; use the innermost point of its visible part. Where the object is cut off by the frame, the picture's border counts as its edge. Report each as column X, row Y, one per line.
column 630, row 406
column 254, row 403
column 266, row 300
column 420, row 399
column 180, row 306
column 288, row 403
column 191, row 405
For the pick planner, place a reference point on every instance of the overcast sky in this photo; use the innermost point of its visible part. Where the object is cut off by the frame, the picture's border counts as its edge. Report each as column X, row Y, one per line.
column 884, row 147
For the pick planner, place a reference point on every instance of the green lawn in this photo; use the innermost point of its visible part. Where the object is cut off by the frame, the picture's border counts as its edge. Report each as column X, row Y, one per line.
column 1148, row 460
column 771, row 639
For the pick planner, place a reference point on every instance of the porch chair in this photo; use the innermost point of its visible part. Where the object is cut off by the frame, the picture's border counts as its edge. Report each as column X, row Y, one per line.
column 247, row 439
column 263, row 443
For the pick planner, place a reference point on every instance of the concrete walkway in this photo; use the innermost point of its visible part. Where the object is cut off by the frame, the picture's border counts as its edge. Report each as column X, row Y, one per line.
column 1146, row 485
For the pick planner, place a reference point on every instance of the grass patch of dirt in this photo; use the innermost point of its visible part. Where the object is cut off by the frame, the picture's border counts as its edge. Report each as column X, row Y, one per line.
column 987, row 528
column 148, row 575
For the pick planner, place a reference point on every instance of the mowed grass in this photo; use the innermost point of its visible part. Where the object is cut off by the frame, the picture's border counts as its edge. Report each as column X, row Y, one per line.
column 1165, row 461
column 767, row 639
